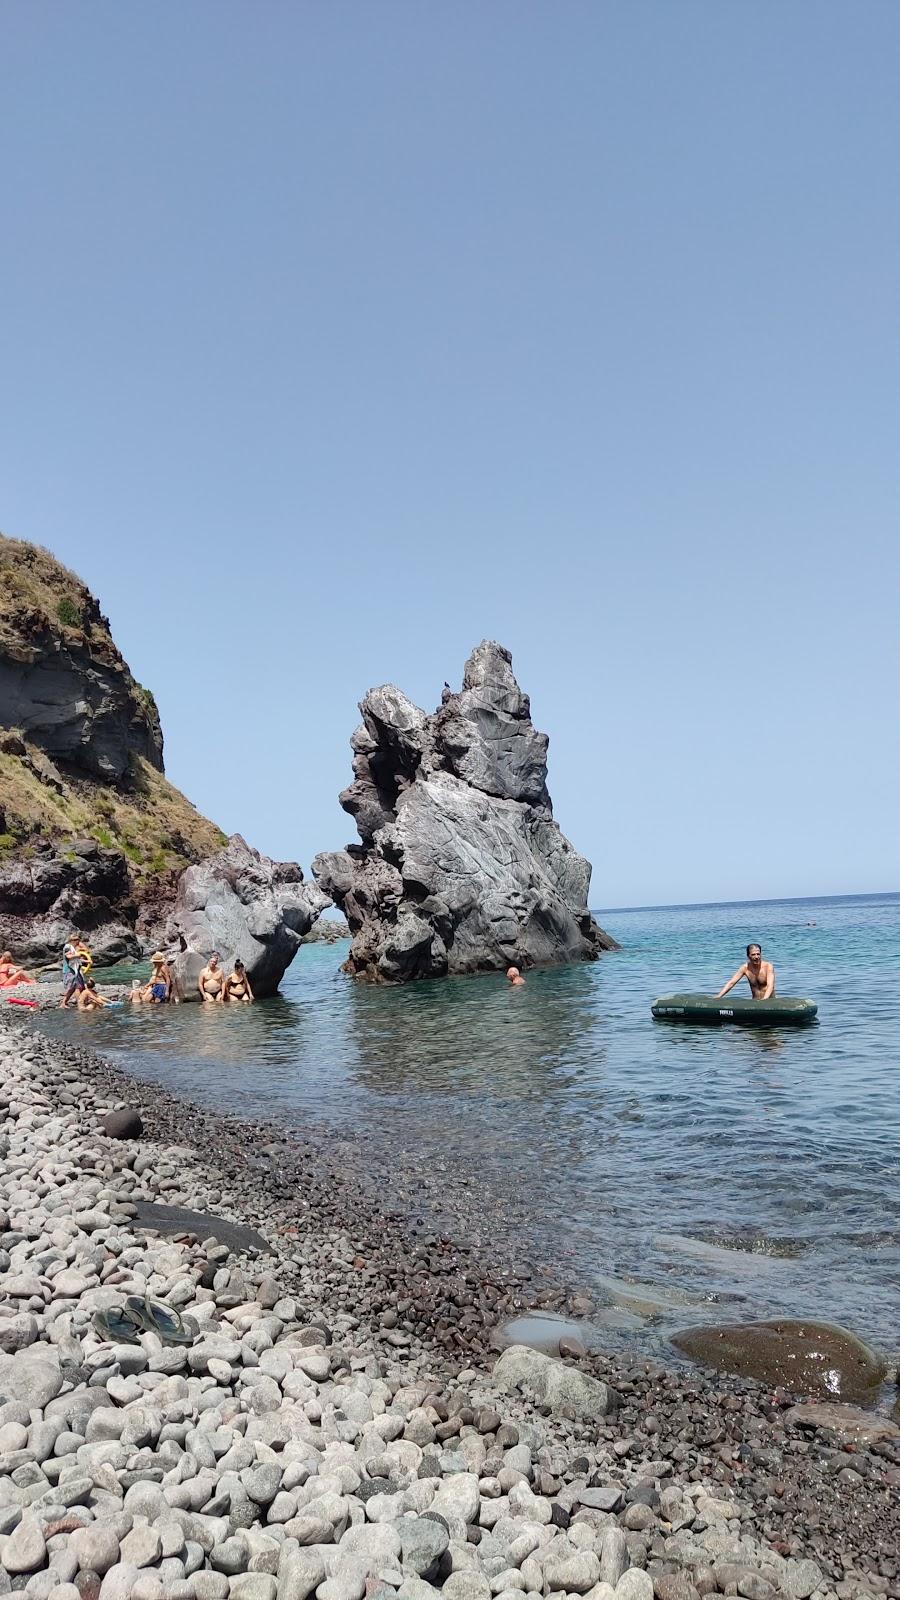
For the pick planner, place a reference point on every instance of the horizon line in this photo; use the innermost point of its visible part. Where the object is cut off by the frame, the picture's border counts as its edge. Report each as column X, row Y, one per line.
column 771, row 900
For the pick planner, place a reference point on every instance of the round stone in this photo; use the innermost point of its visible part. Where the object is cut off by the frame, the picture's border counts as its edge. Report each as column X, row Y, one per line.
column 123, row 1124
column 26, row 1548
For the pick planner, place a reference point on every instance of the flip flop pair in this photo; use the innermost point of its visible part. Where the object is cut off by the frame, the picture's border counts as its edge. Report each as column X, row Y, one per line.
column 125, row 1324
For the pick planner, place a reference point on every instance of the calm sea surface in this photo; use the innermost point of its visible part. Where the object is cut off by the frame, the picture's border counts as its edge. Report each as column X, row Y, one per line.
column 756, row 1169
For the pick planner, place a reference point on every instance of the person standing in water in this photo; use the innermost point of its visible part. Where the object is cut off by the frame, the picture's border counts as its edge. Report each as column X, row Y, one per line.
column 160, row 985
column 211, row 981
column 759, row 974
column 237, row 986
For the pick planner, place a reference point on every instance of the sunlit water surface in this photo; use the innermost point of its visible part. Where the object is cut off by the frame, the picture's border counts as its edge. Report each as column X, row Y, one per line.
column 559, row 1122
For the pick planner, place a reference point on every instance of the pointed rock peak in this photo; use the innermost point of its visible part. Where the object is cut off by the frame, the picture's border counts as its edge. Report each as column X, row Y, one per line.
column 485, row 734
column 490, row 666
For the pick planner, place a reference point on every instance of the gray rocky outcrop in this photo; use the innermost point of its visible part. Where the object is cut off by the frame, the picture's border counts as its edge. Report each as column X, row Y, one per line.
column 461, row 866
column 246, row 907
column 63, row 682
column 60, row 889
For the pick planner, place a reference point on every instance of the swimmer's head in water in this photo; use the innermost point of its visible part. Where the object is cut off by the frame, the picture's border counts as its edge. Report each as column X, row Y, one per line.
column 512, row 972
column 750, row 950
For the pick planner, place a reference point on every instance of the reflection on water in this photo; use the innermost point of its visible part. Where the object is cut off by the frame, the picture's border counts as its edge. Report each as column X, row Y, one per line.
column 561, row 1122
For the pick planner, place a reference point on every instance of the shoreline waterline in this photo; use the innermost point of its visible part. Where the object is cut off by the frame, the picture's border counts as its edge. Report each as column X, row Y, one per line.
column 749, row 1170
column 612, row 1311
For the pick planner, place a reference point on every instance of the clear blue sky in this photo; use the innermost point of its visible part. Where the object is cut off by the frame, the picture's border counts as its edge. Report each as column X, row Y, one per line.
column 334, row 337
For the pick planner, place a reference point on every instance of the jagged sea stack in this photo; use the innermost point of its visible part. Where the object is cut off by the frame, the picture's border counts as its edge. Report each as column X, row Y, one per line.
column 461, row 867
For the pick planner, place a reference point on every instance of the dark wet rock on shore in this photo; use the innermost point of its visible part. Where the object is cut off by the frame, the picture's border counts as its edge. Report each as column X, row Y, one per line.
column 812, row 1358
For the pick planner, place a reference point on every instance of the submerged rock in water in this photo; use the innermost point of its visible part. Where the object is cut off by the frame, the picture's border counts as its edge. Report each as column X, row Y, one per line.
column 246, row 907
column 461, row 868
column 566, row 1336
column 811, row 1358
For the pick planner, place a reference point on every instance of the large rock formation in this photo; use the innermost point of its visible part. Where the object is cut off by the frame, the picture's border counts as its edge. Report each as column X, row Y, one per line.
column 461, row 866
column 245, row 906
column 84, row 887
column 92, row 834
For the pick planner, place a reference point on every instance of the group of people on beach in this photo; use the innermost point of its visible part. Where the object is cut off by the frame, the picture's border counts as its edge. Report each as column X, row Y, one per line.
column 218, row 987
column 214, row 985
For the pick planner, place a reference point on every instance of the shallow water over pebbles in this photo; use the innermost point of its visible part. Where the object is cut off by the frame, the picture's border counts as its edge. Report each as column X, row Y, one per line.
column 661, row 1166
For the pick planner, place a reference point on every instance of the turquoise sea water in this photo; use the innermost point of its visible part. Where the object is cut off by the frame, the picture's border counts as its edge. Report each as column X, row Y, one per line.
column 758, row 1169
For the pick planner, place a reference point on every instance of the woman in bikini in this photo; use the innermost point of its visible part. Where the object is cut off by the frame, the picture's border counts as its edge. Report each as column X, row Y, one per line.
column 237, row 986
column 211, row 981
column 10, row 974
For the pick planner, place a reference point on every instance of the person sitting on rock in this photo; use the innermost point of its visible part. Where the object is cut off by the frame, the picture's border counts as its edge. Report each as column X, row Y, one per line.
column 160, row 985
column 89, row 998
column 211, row 981
column 10, row 974
column 237, row 986
column 515, row 977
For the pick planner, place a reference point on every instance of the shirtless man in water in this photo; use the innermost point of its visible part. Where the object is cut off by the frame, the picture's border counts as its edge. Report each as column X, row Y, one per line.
column 759, row 974
column 211, row 981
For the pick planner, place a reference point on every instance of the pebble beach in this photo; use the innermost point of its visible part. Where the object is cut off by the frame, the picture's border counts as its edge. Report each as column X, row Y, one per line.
column 341, row 1425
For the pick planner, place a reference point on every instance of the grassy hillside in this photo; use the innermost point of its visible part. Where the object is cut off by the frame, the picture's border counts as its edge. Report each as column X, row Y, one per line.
column 43, row 608
column 37, row 594
column 151, row 823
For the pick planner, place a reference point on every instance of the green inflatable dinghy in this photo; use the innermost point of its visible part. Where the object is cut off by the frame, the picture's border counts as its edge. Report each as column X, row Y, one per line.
column 755, row 1013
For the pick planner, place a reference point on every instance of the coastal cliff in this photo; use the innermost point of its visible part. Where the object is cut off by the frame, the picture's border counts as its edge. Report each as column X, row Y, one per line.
column 461, row 867
column 92, row 833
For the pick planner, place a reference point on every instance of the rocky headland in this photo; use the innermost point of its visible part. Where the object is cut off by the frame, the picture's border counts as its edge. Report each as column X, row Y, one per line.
column 92, row 834
column 337, row 1424
column 461, row 867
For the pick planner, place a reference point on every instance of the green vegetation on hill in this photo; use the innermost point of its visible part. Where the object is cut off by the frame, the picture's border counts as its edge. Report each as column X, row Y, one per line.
column 38, row 593
column 45, row 608
column 151, row 821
